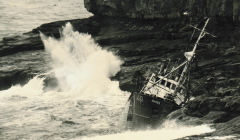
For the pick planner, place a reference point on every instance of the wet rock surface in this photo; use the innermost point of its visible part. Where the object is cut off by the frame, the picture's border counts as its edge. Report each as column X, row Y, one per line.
column 20, row 67
column 32, row 41
column 143, row 45
column 150, row 9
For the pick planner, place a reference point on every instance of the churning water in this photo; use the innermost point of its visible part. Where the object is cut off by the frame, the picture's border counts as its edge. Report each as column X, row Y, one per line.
column 86, row 104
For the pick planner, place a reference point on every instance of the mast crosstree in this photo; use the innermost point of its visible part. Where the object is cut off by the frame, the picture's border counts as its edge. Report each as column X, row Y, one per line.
column 174, row 90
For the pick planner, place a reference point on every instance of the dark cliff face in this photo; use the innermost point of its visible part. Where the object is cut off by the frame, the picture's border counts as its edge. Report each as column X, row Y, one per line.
column 144, row 44
column 150, row 9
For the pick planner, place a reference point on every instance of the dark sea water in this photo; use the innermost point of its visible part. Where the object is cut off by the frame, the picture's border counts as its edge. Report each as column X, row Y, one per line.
column 89, row 103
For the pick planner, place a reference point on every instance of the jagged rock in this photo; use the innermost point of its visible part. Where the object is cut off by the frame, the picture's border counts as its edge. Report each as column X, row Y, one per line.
column 150, row 9
column 20, row 43
column 32, row 41
column 142, row 45
column 211, row 117
column 198, row 108
column 88, row 25
column 225, row 121
column 20, row 67
column 201, row 106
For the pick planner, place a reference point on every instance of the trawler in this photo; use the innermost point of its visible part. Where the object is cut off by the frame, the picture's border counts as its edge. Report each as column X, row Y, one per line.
column 162, row 93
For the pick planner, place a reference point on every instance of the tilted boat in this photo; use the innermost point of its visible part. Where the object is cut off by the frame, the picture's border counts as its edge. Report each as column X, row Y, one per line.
column 163, row 93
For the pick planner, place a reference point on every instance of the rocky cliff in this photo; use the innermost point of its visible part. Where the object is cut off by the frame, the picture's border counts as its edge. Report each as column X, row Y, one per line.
column 150, row 9
column 143, row 44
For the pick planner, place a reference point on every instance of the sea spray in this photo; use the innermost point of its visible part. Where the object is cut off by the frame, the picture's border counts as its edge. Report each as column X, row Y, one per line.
column 80, row 65
column 88, row 99
column 33, row 88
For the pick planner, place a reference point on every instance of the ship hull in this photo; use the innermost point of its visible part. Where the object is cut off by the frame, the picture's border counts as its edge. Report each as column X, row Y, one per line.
column 144, row 111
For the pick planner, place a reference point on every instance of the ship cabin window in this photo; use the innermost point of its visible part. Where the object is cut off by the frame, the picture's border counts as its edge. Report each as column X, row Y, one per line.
column 168, row 84
column 173, row 87
column 163, row 82
column 154, row 110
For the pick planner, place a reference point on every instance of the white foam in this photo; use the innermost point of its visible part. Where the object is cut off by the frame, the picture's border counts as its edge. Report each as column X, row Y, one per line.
column 170, row 131
column 33, row 88
column 81, row 66
column 220, row 137
column 82, row 69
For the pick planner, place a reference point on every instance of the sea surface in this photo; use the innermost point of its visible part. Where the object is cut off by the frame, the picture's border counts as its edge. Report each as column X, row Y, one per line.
column 86, row 104
column 19, row 16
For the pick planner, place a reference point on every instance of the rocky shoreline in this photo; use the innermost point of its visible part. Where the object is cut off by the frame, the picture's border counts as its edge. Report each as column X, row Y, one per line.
column 142, row 44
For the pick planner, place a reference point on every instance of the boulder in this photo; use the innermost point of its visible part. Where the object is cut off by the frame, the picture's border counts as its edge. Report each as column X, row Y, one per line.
column 201, row 106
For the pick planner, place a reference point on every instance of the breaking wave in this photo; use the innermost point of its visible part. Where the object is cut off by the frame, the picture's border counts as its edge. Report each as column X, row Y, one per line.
column 81, row 66
column 85, row 101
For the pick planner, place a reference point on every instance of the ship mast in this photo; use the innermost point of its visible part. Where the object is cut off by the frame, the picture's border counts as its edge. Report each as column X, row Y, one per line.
column 179, row 91
column 189, row 56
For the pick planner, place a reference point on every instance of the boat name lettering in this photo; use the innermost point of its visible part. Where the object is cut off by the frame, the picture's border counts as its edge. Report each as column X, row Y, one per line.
column 156, row 102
